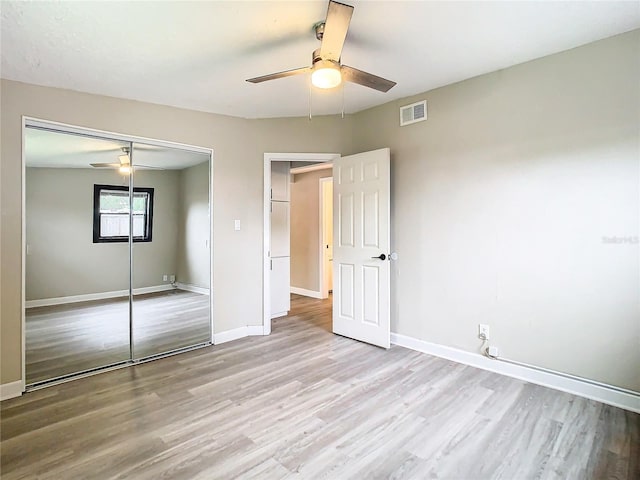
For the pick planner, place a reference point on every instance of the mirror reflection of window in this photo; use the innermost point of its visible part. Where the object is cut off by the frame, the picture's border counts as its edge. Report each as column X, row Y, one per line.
column 111, row 214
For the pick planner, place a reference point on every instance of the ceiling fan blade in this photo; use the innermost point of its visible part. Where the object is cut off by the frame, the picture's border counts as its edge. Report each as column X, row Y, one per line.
column 274, row 76
column 105, row 165
column 335, row 30
column 147, row 167
column 354, row 75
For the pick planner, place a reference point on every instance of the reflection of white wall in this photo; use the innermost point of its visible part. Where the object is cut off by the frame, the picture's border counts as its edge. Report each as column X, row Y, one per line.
column 193, row 229
column 64, row 261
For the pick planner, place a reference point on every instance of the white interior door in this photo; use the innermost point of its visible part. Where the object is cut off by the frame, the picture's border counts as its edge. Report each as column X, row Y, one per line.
column 361, row 247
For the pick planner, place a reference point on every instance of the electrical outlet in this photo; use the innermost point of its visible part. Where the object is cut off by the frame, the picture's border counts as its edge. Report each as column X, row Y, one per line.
column 165, row 278
column 173, row 278
column 483, row 331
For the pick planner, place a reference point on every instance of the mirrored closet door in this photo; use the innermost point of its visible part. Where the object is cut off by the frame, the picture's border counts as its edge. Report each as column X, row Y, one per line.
column 117, row 252
column 170, row 249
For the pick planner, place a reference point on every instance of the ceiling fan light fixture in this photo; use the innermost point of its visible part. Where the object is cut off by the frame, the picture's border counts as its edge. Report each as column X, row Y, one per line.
column 326, row 74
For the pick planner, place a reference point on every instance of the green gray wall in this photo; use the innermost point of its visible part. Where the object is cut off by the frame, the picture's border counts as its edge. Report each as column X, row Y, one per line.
column 63, row 260
column 193, row 227
column 305, row 229
column 500, row 202
column 239, row 146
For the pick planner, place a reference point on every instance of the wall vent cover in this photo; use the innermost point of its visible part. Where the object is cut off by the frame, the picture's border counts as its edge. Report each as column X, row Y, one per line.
column 416, row 112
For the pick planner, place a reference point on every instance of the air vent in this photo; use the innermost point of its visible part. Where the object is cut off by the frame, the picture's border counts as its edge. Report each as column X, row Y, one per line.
column 416, row 112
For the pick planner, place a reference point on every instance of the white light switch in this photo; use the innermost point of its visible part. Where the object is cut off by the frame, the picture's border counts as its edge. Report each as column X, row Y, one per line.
column 237, row 225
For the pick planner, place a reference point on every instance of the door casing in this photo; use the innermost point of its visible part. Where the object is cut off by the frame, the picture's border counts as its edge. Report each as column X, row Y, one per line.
column 325, row 266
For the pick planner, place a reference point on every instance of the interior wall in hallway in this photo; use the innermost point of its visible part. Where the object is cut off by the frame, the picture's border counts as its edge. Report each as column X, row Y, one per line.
column 305, row 229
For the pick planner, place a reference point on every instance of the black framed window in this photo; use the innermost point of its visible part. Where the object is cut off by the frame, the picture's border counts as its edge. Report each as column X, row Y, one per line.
column 111, row 214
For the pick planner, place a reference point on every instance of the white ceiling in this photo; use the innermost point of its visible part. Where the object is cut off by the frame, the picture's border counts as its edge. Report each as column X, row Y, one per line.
column 197, row 55
column 48, row 149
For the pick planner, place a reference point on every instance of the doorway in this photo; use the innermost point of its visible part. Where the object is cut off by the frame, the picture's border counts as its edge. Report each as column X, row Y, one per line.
column 361, row 250
column 268, row 279
column 116, row 249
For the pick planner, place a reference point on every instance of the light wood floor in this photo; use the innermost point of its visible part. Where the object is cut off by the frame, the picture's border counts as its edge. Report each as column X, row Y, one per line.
column 70, row 338
column 304, row 403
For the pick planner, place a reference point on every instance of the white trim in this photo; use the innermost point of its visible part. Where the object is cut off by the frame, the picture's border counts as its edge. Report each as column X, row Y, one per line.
column 255, row 330
column 277, row 315
column 324, row 292
column 237, row 333
column 602, row 393
column 311, row 168
column 23, row 253
column 306, row 293
column 192, row 288
column 87, row 297
column 65, row 127
column 230, row 335
column 266, row 228
column 266, row 242
column 11, row 390
column 210, row 246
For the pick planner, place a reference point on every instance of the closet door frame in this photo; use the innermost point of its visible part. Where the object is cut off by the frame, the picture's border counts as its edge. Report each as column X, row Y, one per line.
column 28, row 121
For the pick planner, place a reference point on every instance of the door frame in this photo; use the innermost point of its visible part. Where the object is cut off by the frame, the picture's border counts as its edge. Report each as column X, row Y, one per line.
column 266, row 267
column 29, row 121
column 324, row 292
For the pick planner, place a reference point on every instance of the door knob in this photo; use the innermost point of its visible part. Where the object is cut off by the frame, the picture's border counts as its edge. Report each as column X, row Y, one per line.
column 382, row 256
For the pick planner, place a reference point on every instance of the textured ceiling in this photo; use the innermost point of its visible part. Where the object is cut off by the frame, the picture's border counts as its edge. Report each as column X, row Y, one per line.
column 60, row 150
column 197, row 54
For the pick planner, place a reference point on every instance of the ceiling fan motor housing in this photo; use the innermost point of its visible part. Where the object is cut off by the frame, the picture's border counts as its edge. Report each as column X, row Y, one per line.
column 316, row 57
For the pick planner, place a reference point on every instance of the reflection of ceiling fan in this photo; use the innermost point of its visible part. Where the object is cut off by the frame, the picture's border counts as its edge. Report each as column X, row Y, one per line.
column 326, row 69
column 124, row 165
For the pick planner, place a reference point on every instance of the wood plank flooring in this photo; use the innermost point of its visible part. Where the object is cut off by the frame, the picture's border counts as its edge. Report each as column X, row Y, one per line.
column 70, row 338
column 304, row 403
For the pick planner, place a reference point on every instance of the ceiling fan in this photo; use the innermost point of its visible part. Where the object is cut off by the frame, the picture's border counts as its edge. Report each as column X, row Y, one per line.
column 326, row 69
column 124, row 165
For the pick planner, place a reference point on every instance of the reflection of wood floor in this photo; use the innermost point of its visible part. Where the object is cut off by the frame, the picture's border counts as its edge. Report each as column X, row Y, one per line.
column 304, row 403
column 64, row 339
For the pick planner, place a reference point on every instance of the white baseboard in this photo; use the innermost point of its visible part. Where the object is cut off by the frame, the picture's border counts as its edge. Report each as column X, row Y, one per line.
column 602, row 393
column 192, row 288
column 236, row 333
column 255, row 330
column 11, row 390
column 306, row 293
column 230, row 335
column 46, row 302
column 279, row 314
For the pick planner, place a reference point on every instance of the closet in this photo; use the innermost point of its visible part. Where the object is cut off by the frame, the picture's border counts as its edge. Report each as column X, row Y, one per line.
column 117, row 251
